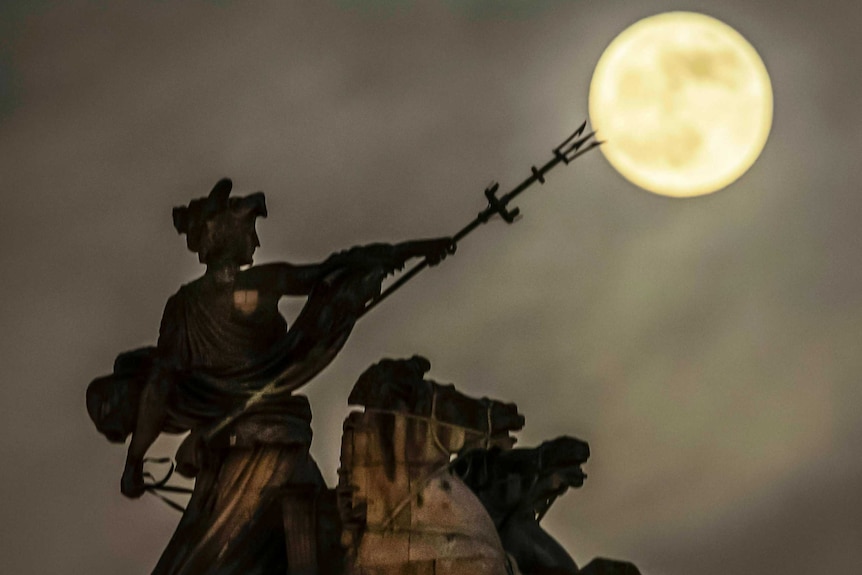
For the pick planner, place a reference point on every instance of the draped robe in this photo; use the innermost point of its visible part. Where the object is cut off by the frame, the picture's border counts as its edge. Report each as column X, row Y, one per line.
column 242, row 455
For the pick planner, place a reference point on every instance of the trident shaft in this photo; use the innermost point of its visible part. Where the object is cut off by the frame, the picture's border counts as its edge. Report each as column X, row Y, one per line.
column 574, row 146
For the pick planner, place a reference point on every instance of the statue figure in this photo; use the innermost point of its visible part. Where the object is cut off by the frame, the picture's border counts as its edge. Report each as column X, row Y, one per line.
column 429, row 482
column 225, row 368
column 403, row 510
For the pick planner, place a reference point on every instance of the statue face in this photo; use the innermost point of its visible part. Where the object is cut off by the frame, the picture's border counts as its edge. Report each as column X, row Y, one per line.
column 228, row 240
column 250, row 242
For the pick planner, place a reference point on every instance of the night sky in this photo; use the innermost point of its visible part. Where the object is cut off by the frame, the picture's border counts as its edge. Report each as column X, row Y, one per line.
column 707, row 349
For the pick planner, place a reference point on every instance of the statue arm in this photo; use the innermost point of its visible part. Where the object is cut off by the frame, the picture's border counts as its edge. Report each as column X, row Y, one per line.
column 282, row 278
column 153, row 403
column 152, row 411
column 434, row 250
column 391, row 257
column 287, row 279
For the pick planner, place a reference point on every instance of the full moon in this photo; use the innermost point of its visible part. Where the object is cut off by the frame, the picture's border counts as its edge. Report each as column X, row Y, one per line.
column 683, row 103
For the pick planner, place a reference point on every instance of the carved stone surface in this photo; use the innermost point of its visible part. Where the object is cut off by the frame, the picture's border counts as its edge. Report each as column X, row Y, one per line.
column 404, row 510
column 407, row 507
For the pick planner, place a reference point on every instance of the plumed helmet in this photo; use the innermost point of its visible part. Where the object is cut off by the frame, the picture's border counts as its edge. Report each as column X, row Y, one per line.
column 213, row 223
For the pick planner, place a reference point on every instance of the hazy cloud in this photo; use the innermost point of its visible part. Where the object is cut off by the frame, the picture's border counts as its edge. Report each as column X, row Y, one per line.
column 707, row 349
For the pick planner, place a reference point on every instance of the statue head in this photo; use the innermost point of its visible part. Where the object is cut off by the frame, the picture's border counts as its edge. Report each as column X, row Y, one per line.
column 220, row 228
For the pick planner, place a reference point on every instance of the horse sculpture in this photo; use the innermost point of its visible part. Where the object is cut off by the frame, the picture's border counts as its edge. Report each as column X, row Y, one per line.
column 429, row 484
column 517, row 487
column 404, row 512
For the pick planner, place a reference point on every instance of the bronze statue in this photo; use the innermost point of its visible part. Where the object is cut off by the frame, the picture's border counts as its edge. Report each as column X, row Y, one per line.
column 224, row 354
column 225, row 369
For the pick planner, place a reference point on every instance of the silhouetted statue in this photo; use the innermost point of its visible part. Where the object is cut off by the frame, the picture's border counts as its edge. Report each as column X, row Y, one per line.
column 225, row 368
column 517, row 487
column 407, row 508
column 402, row 508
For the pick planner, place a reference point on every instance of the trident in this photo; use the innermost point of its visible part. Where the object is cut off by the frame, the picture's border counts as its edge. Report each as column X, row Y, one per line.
column 571, row 148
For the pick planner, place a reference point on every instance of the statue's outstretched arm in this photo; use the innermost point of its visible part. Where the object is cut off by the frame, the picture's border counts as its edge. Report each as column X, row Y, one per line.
column 282, row 278
column 298, row 280
column 434, row 250
column 392, row 256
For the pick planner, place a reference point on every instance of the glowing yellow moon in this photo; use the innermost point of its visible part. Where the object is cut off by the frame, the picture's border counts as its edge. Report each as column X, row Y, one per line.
column 683, row 102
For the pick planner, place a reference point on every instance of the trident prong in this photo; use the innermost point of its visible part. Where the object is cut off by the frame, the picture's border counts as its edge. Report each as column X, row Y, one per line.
column 577, row 133
column 566, row 152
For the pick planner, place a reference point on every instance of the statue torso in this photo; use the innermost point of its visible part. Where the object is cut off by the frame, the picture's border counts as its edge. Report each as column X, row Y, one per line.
column 210, row 325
